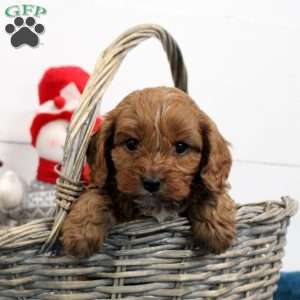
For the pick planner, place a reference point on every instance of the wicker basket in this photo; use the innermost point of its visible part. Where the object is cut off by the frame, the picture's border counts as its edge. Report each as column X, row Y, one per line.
column 140, row 259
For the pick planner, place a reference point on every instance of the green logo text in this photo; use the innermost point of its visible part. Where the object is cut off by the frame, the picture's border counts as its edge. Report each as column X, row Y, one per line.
column 25, row 10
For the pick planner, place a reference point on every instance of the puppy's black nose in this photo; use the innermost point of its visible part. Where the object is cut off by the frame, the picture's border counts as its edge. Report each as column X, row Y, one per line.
column 151, row 184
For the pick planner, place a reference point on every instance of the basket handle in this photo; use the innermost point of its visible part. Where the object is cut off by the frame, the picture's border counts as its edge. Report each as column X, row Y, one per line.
column 68, row 185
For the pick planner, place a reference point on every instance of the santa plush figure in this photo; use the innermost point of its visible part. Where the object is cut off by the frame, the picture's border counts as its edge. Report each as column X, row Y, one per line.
column 59, row 94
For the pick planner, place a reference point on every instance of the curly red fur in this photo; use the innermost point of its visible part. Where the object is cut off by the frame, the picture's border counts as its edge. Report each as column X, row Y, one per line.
column 88, row 223
column 193, row 184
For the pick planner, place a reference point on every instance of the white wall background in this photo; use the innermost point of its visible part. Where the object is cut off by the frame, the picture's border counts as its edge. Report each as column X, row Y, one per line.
column 244, row 71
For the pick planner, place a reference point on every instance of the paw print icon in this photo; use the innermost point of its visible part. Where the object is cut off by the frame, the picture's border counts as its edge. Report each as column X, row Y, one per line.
column 24, row 33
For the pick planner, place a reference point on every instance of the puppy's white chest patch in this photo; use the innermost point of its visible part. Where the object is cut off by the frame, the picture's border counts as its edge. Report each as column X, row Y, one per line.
column 161, row 210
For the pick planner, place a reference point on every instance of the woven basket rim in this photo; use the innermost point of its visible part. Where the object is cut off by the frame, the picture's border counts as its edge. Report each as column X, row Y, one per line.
column 36, row 232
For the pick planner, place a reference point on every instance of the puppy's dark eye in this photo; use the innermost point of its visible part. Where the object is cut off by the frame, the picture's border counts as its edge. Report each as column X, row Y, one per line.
column 181, row 147
column 131, row 144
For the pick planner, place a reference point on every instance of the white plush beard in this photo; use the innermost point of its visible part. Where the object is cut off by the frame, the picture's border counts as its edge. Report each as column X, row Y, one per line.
column 151, row 206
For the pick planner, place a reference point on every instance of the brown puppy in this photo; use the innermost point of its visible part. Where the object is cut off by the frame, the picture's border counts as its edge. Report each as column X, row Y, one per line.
column 156, row 154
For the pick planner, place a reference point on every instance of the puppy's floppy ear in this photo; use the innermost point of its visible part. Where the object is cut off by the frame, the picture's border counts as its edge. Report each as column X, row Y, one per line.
column 98, row 152
column 216, row 161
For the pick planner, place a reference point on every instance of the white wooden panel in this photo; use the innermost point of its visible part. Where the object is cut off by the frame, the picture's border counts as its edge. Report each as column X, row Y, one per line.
column 256, row 182
column 242, row 59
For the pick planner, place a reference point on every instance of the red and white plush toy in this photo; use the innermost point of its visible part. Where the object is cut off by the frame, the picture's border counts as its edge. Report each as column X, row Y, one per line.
column 59, row 94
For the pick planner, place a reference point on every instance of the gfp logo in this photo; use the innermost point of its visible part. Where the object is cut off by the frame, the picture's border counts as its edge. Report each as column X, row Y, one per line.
column 25, row 29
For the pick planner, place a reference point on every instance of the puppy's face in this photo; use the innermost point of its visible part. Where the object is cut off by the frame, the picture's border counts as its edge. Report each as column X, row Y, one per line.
column 157, row 145
column 158, row 141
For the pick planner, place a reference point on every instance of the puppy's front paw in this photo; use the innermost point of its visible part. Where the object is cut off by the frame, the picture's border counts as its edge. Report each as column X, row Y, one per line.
column 81, row 242
column 213, row 236
column 87, row 224
column 213, row 224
